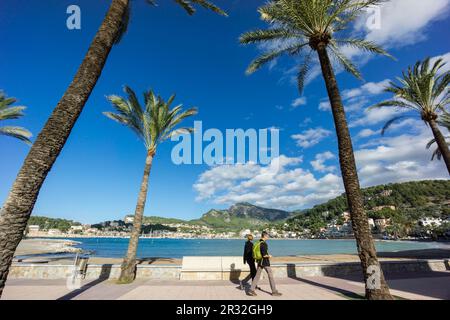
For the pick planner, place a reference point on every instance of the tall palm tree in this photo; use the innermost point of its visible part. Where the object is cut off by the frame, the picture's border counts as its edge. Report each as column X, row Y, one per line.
column 445, row 122
column 425, row 91
column 51, row 140
column 8, row 112
column 302, row 28
column 153, row 123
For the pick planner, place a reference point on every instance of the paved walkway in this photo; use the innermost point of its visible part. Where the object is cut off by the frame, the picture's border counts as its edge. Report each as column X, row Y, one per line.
column 428, row 286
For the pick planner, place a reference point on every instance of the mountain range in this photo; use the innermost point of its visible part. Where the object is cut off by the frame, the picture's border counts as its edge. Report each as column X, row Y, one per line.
column 238, row 216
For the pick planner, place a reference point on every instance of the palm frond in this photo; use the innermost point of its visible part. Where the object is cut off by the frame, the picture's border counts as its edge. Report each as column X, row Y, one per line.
column 17, row 132
column 272, row 55
column 10, row 112
column 365, row 45
column 260, row 35
column 188, row 6
column 437, row 154
column 155, row 122
column 311, row 22
column 346, row 63
column 392, row 103
column 303, row 72
column 210, row 6
column 421, row 89
column 390, row 123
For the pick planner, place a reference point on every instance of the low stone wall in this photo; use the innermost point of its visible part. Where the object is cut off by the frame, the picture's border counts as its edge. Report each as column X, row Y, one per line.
column 227, row 270
column 93, row 271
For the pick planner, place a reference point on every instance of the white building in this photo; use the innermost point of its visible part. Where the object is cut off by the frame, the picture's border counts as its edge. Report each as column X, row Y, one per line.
column 379, row 208
column 33, row 228
column 128, row 219
column 244, row 233
column 346, row 216
column 371, row 223
column 54, row 232
column 428, row 222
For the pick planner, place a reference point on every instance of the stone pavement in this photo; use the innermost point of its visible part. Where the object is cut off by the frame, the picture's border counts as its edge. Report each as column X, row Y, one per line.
column 427, row 286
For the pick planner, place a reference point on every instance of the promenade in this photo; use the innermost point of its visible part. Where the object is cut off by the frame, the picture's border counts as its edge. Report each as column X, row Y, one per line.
column 418, row 286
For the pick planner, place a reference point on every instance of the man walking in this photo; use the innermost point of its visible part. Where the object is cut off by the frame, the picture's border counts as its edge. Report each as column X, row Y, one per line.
column 248, row 259
column 263, row 259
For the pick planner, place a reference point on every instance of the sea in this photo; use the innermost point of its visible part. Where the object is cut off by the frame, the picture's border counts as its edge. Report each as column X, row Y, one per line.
column 177, row 248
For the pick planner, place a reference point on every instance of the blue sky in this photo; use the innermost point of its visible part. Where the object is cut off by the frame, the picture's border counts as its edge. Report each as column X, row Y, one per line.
column 97, row 175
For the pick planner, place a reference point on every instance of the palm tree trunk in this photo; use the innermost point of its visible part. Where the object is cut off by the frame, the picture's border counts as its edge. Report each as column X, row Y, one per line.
column 360, row 223
column 128, row 272
column 20, row 202
column 442, row 144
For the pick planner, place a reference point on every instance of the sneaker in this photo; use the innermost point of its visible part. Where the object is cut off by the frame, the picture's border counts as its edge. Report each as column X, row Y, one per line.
column 241, row 286
column 276, row 294
column 251, row 293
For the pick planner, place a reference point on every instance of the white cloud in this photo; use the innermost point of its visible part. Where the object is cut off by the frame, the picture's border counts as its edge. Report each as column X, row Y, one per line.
column 325, row 105
column 305, row 122
column 358, row 97
column 299, row 102
column 285, row 184
column 403, row 21
column 288, row 187
column 367, row 89
column 355, row 99
column 376, row 116
column 365, row 133
column 399, row 159
column 446, row 59
column 355, row 104
column 319, row 163
column 311, row 137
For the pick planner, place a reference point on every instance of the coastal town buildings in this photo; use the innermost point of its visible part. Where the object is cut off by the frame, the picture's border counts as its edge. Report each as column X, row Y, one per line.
column 429, row 221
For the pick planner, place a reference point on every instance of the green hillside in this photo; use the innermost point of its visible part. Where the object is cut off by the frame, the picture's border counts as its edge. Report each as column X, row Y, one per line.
column 412, row 200
column 46, row 223
column 241, row 216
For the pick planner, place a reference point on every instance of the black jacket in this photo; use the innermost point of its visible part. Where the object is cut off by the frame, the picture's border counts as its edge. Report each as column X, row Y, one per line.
column 265, row 262
column 248, row 252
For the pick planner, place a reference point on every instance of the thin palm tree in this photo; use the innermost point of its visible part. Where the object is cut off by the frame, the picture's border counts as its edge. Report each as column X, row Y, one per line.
column 303, row 28
column 444, row 122
column 10, row 112
column 425, row 91
column 19, row 204
column 153, row 123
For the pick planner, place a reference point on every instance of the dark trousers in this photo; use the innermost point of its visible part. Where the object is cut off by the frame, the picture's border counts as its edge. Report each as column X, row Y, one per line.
column 252, row 266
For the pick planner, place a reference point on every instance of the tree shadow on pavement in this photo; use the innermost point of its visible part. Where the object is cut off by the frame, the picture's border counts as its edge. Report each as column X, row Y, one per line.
column 104, row 275
column 292, row 273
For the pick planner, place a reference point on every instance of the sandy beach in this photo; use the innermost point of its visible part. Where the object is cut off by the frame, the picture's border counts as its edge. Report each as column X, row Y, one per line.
column 44, row 246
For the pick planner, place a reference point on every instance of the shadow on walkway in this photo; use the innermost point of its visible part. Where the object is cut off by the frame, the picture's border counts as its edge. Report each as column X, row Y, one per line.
column 292, row 273
column 104, row 275
column 437, row 253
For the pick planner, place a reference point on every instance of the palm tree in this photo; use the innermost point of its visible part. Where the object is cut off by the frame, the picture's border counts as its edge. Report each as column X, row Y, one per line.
column 8, row 112
column 153, row 123
column 426, row 92
column 300, row 28
column 51, row 140
column 445, row 122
